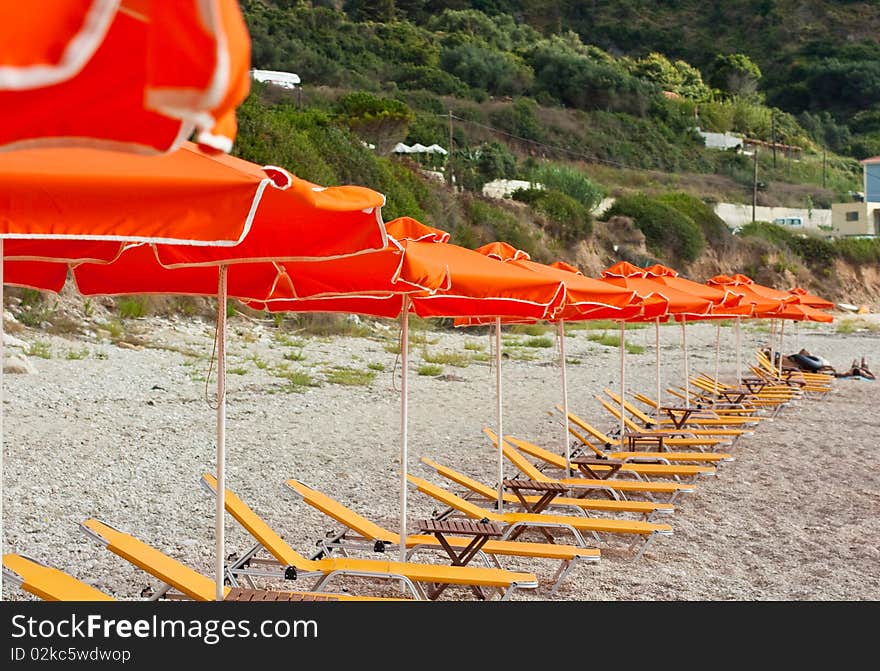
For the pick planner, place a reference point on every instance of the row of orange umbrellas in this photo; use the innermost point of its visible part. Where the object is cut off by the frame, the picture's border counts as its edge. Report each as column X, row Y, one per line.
column 141, row 77
column 291, row 245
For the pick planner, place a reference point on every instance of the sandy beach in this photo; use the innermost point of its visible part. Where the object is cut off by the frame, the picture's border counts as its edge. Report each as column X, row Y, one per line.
column 123, row 434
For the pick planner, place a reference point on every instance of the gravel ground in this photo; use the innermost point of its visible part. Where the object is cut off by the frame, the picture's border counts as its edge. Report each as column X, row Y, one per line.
column 124, row 433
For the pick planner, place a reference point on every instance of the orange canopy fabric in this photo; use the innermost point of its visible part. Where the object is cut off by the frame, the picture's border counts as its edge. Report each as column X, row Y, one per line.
column 585, row 297
column 753, row 303
column 401, row 267
column 669, row 277
column 814, row 301
column 799, row 312
column 204, row 203
column 129, row 75
column 478, row 286
column 583, row 294
column 629, row 276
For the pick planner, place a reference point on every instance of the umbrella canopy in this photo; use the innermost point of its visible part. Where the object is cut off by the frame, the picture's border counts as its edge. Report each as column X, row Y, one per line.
column 678, row 302
column 754, row 303
column 814, row 301
column 126, row 75
column 478, row 286
column 171, row 198
column 720, row 296
column 188, row 197
column 400, row 267
column 583, row 295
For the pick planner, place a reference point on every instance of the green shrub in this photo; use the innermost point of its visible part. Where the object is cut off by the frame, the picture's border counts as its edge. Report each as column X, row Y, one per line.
column 667, row 230
column 569, row 181
column 569, row 220
column 430, row 369
column 714, row 229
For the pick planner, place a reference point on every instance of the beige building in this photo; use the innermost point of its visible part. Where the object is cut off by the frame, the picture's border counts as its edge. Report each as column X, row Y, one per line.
column 861, row 217
column 856, row 218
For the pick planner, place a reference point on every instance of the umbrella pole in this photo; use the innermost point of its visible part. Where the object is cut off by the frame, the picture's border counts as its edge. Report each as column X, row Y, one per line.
column 717, row 353
column 622, row 378
column 738, row 350
column 564, row 396
column 219, row 538
column 781, row 343
column 2, row 365
column 687, row 374
column 657, row 363
column 404, row 420
column 498, row 412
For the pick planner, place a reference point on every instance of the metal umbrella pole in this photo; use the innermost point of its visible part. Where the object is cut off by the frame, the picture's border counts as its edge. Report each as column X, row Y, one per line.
column 657, row 363
column 404, row 422
column 566, row 444
column 781, row 343
column 717, row 353
column 499, row 414
column 687, row 375
column 622, row 379
column 2, row 365
column 219, row 533
column 738, row 349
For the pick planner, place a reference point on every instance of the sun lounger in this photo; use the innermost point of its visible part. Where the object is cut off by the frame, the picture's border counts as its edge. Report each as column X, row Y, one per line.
column 47, row 583
column 652, row 424
column 369, row 535
column 633, row 465
column 615, row 488
column 190, row 584
column 291, row 565
column 663, row 455
column 573, row 505
column 515, row 523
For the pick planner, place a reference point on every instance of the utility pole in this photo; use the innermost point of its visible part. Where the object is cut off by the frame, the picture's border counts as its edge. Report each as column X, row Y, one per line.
column 449, row 175
column 824, row 163
column 773, row 136
column 755, row 185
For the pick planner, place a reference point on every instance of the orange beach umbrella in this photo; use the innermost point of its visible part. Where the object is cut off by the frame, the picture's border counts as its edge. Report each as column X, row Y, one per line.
column 125, row 75
column 478, row 287
column 127, row 216
column 814, row 301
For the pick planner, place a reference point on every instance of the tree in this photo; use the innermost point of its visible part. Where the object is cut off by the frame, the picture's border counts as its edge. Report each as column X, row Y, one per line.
column 735, row 73
column 382, row 121
column 380, row 11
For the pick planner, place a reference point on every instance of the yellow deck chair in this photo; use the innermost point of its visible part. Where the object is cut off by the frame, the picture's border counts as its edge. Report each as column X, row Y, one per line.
column 651, row 423
column 615, row 488
column 516, row 523
column 704, row 391
column 557, row 461
column 813, row 384
column 709, row 416
column 47, row 583
column 190, row 583
column 666, row 456
column 726, row 414
column 776, row 394
column 821, row 379
column 413, row 575
column 369, row 535
column 630, row 466
column 573, row 504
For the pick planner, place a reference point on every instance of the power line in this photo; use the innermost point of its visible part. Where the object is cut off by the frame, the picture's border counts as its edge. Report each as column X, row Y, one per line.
column 587, row 157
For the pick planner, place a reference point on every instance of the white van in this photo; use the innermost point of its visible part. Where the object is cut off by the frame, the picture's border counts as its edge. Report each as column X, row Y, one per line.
column 789, row 221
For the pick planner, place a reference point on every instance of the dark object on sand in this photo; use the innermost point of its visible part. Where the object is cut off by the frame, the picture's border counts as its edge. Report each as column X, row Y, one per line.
column 858, row 369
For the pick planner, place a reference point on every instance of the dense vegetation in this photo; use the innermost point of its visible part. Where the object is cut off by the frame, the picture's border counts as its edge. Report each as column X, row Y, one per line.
column 577, row 100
